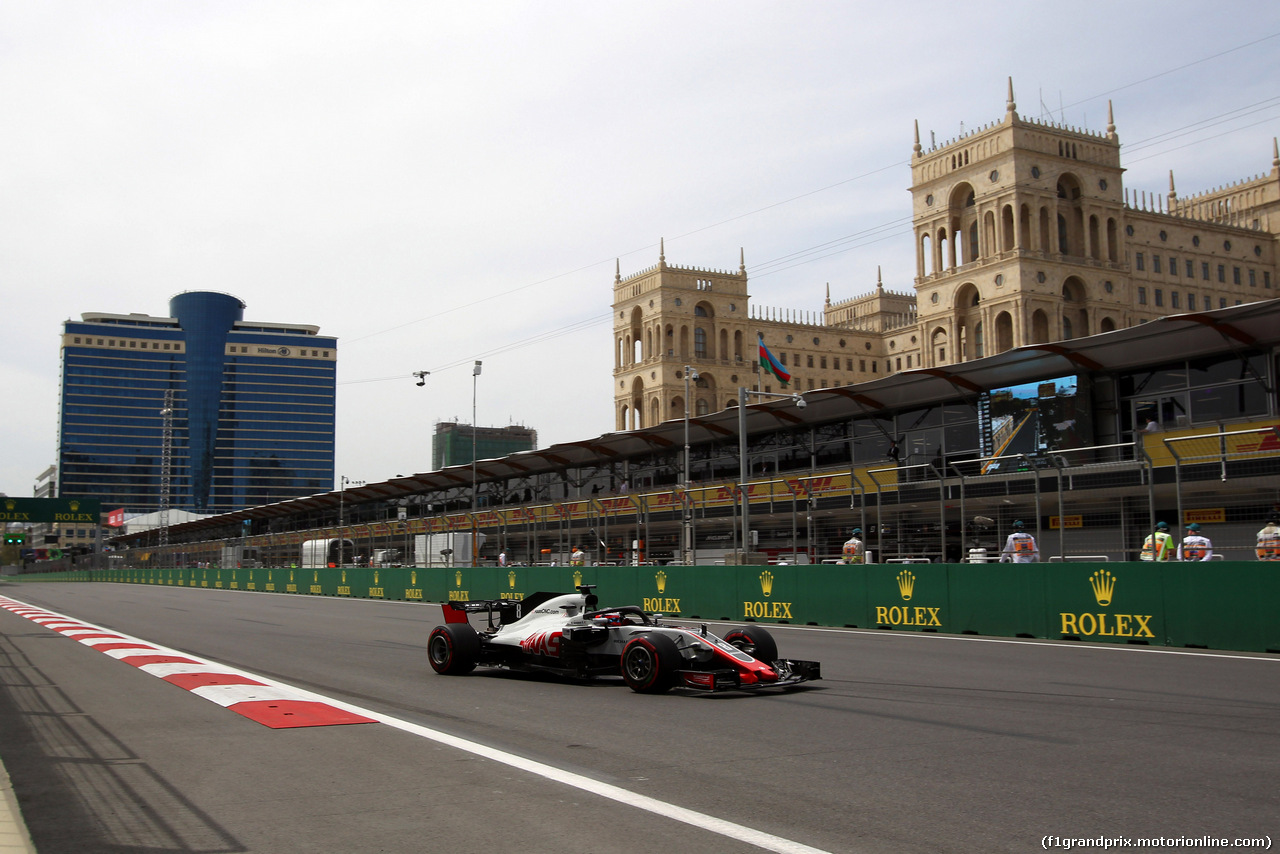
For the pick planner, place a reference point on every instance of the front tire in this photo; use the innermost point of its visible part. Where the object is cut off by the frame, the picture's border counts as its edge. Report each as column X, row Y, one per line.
column 756, row 642
column 453, row 649
column 649, row 663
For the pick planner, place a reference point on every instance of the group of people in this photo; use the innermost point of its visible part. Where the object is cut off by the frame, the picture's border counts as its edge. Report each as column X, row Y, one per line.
column 1159, row 545
column 577, row 558
column 1020, row 546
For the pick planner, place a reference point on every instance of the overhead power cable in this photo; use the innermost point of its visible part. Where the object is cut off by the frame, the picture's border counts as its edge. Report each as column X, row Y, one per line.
column 840, row 245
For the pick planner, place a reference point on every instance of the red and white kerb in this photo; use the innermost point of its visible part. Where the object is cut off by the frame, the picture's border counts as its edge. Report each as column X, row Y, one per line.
column 270, row 704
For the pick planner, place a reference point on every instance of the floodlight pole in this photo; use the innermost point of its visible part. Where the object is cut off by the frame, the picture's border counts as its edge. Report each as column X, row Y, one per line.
column 743, row 467
column 689, row 548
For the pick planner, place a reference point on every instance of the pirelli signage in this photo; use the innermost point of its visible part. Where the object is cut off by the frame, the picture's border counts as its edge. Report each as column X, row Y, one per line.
column 34, row 510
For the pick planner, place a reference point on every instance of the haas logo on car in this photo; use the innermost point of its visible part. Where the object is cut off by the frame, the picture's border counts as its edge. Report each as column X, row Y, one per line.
column 542, row 643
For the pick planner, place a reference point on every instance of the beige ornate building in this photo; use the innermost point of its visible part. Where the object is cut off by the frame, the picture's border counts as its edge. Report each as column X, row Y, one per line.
column 1024, row 235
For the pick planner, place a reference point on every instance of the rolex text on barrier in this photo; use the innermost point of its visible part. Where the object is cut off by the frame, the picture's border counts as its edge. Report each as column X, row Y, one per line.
column 1228, row 606
column 33, row 510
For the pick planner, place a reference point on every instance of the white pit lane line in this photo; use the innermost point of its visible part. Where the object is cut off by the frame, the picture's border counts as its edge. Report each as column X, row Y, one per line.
column 756, row 838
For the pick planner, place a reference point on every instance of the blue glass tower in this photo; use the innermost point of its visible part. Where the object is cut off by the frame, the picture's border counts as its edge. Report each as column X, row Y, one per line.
column 252, row 420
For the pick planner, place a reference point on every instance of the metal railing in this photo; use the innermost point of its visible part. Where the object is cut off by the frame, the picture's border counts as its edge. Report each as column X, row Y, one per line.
column 1092, row 503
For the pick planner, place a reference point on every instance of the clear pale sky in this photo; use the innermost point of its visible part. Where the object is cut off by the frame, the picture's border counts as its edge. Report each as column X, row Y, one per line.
column 434, row 183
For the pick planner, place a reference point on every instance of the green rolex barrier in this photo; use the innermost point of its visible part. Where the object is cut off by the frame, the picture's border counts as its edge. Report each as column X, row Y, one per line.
column 1217, row 604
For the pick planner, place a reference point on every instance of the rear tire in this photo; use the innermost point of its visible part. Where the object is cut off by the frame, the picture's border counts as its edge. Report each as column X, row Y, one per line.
column 649, row 663
column 453, row 649
column 756, row 642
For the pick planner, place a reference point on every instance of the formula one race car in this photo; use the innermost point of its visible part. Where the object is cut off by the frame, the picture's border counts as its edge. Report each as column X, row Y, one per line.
column 569, row 635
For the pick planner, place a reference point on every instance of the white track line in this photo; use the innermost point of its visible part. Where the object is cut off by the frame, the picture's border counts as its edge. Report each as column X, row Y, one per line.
column 756, row 838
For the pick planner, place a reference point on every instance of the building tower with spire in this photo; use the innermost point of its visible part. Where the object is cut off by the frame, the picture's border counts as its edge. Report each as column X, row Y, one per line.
column 1025, row 235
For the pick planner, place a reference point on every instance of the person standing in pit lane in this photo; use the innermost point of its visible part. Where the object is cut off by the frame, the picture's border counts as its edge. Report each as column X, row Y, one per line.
column 1194, row 545
column 578, row 558
column 1158, row 545
column 1020, row 547
column 1269, row 541
column 853, row 552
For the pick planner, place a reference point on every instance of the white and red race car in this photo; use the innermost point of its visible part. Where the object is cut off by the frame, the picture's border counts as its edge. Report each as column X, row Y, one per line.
column 570, row 635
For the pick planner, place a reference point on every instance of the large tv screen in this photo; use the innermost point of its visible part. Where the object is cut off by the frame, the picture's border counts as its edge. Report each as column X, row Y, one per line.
column 1034, row 418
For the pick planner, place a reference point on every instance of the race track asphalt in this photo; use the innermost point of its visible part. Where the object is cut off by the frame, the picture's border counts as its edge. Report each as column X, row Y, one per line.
column 911, row 743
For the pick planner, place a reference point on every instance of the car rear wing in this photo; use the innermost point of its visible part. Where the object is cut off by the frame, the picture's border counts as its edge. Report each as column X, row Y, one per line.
column 507, row 610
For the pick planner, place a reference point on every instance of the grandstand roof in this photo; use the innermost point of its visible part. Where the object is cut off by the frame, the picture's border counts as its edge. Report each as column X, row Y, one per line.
column 1182, row 336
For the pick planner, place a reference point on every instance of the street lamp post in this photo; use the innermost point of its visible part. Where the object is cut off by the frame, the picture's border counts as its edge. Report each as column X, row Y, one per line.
column 475, row 498
column 475, row 372
column 743, row 467
column 690, row 375
column 342, row 521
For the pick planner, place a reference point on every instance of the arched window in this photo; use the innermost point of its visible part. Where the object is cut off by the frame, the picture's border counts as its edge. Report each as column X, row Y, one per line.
column 637, row 404
column 939, row 342
column 1004, row 332
column 1071, row 223
column 1039, row 327
column 637, row 335
column 700, row 343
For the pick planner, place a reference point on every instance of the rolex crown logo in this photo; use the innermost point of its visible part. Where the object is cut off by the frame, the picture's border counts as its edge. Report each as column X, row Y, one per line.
column 375, row 578
column 10, row 504
column 511, row 579
column 661, row 579
column 766, row 583
column 1103, row 584
column 906, row 584
column 75, row 505
column 344, row 576
column 457, row 578
column 315, row 577
column 413, row 578
column 577, row 579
